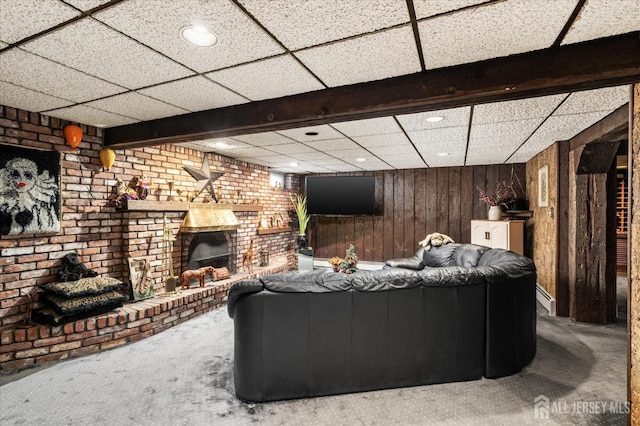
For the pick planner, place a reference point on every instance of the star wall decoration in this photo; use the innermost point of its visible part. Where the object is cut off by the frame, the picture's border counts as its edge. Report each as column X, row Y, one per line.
column 204, row 177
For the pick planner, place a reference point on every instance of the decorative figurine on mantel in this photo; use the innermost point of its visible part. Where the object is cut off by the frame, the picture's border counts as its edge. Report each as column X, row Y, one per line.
column 143, row 187
column 204, row 178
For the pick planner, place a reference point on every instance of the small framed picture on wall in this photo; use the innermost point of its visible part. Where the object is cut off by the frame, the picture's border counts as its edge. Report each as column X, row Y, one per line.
column 543, row 186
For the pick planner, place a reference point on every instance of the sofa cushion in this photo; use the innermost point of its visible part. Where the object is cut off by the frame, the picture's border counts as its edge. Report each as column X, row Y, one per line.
column 85, row 303
column 83, row 287
column 317, row 281
column 468, row 254
column 451, row 276
column 49, row 316
column 415, row 262
column 440, row 256
column 499, row 265
column 385, row 279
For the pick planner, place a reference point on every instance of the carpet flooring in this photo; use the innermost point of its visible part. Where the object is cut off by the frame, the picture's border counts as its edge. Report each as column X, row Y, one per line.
column 184, row 376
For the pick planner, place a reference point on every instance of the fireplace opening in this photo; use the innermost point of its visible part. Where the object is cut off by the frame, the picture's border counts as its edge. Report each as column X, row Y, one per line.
column 215, row 249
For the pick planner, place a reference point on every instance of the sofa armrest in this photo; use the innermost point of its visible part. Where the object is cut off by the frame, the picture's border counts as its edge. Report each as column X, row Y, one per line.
column 414, row 263
column 239, row 289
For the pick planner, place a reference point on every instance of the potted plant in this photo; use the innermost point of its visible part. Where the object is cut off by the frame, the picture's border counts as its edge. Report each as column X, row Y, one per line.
column 300, row 205
column 348, row 265
column 496, row 199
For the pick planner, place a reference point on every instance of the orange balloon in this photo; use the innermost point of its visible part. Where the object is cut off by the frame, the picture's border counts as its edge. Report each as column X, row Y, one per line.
column 107, row 156
column 73, row 135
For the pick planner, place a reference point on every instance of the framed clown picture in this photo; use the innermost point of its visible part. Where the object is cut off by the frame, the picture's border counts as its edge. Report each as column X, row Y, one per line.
column 29, row 190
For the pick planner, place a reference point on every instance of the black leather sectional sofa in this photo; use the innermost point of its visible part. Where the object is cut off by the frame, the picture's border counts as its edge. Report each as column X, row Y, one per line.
column 457, row 312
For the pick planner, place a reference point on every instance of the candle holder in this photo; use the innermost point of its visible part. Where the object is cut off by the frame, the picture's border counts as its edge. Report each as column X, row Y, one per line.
column 170, row 196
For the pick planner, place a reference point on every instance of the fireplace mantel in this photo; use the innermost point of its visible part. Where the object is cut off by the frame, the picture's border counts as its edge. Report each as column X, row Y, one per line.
column 180, row 206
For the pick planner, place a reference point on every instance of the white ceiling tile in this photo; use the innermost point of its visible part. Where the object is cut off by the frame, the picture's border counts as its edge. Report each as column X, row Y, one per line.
column 91, row 116
column 323, row 132
column 372, row 126
column 452, row 118
column 97, row 50
column 27, row 99
column 308, row 23
column 3, row 45
column 390, row 139
column 350, row 154
column 221, row 145
column 291, row 148
column 453, row 159
column 326, row 162
column 502, row 137
column 137, row 106
column 384, row 151
column 310, row 168
column 515, row 27
column 375, row 165
column 605, row 99
column 440, row 140
column 485, row 156
column 194, row 94
column 87, row 4
column 264, row 139
column 559, row 128
column 521, row 109
column 239, row 38
column 604, row 18
column 404, row 161
column 342, row 168
column 333, row 144
column 368, row 163
column 22, row 18
column 268, row 78
column 252, row 151
column 277, row 159
column 52, row 78
column 376, row 56
column 426, row 8
column 311, row 157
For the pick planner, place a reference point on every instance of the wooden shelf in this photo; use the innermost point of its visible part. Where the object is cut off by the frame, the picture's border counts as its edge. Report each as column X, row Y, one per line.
column 181, row 206
column 517, row 214
column 266, row 231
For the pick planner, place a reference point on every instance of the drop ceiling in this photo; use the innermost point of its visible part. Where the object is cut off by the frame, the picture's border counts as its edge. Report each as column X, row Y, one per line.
column 113, row 63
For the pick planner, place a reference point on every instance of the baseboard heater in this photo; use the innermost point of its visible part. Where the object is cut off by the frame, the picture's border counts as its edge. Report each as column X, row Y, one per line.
column 546, row 300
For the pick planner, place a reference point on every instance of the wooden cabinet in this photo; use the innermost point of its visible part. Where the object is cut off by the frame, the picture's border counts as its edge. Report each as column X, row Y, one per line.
column 499, row 234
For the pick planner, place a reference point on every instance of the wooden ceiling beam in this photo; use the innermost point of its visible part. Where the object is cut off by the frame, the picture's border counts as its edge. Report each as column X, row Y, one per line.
column 599, row 63
column 610, row 129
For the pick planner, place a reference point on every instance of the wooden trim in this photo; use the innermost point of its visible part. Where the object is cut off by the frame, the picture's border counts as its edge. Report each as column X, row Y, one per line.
column 266, row 231
column 180, row 206
column 615, row 123
column 597, row 63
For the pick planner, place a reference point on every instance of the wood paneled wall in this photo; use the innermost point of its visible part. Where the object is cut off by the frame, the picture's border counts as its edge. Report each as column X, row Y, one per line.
column 410, row 204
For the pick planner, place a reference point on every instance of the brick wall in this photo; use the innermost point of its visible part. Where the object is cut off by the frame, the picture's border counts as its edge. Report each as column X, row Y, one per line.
column 28, row 346
column 103, row 236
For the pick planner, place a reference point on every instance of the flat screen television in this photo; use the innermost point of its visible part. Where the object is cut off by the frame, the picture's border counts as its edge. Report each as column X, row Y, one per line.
column 340, row 195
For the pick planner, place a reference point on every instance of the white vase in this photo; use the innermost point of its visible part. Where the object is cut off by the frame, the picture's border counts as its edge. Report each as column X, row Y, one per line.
column 495, row 213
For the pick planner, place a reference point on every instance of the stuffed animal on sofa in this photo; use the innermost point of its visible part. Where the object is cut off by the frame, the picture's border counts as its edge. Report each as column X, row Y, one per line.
column 435, row 240
column 71, row 269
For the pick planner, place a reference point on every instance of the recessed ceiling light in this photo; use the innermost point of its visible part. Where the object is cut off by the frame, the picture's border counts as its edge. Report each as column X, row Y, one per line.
column 435, row 119
column 361, row 160
column 199, row 36
column 311, row 133
column 294, row 164
column 443, row 154
column 222, row 145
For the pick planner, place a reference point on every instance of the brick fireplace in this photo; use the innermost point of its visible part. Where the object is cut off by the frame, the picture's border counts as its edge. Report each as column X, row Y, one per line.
column 105, row 237
column 217, row 249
